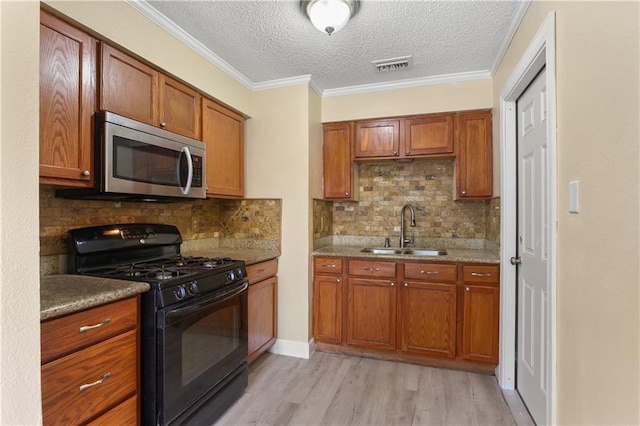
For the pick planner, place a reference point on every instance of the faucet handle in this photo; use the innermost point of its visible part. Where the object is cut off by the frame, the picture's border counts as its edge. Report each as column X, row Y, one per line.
column 386, row 242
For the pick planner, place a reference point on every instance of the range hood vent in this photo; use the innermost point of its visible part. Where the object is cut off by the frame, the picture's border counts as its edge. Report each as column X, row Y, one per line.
column 393, row 64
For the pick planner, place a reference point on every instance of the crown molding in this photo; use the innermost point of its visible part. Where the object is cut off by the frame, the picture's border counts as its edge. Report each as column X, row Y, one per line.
column 150, row 12
column 521, row 10
column 408, row 83
column 282, row 82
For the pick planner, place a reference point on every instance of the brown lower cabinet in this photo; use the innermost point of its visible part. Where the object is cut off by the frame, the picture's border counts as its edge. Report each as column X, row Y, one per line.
column 262, row 307
column 427, row 312
column 90, row 366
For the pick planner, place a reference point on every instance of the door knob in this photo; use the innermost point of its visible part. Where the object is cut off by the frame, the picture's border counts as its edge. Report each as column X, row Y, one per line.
column 515, row 260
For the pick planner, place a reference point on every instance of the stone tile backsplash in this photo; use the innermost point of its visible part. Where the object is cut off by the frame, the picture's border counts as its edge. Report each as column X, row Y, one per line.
column 221, row 223
column 428, row 186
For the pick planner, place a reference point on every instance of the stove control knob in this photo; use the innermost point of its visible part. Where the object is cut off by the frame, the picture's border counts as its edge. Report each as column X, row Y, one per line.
column 193, row 287
column 181, row 292
column 231, row 276
column 239, row 273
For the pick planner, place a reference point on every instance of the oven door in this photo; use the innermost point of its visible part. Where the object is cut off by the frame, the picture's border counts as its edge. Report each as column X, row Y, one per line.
column 199, row 344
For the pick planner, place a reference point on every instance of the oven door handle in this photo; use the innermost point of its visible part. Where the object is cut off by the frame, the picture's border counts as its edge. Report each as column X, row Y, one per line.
column 179, row 313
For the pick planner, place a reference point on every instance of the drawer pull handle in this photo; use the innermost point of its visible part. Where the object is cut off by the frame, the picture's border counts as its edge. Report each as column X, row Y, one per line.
column 261, row 270
column 91, row 327
column 372, row 269
column 477, row 274
column 328, row 265
column 97, row 382
column 429, row 272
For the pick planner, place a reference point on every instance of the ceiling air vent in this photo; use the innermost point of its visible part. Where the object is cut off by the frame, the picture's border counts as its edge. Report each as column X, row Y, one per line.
column 393, row 64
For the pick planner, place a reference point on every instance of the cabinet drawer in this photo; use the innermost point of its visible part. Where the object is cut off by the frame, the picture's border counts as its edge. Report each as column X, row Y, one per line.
column 327, row 265
column 67, row 334
column 124, row 414
column 434, row 272
column 71, row 389
column 367, row 268
column 480, row 274
column 259, row 271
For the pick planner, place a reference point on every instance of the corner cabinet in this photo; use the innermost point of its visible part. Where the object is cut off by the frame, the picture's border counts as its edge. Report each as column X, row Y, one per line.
column 90, row 367
column 262, row 307
column 67, row 103
column 339, row 170
column 474, row 168
column 223, row 134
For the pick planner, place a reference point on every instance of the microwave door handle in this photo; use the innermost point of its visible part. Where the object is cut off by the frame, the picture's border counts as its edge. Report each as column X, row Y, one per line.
column 187, row 187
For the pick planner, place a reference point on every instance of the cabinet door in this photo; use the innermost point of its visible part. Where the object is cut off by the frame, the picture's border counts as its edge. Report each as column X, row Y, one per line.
column 327, row 309
column 430, row 135
column 223, row 133
column 338, row 161
column 67, row 103
column 371, row 313
column 480, row 324
column 474, row 169
column 129, row 87
column 262, row 322
column 377, row 138
column 179, row 108
column 429, row 319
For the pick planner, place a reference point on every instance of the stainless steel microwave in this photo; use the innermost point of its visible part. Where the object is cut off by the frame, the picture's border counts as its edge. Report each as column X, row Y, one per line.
column 136, row 161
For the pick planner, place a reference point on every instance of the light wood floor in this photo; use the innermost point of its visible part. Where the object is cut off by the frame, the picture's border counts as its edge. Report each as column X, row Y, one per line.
column 332, row 389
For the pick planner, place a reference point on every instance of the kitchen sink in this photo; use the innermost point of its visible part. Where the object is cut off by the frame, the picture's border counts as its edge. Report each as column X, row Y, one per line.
column 409, row 251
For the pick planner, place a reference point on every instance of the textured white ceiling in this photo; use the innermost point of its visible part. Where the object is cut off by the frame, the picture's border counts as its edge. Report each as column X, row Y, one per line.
column 272, row 40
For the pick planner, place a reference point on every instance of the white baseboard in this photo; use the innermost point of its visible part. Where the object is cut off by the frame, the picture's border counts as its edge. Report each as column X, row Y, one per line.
column 294, row 348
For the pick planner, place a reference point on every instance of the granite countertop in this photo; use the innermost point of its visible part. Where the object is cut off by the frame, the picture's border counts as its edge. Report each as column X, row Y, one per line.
column 250, row 256
column 453, row 255
column 65, row 294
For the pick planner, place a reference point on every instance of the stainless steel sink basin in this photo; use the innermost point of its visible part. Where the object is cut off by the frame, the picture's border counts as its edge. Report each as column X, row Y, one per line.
column 409, row 251
column 381, row 250
column 424, row 252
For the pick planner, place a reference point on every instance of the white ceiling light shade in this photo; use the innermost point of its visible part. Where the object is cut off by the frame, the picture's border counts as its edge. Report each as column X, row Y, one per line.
column 329, row 16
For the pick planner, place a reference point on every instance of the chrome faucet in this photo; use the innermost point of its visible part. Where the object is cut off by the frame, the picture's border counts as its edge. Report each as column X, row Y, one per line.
column 404, row 241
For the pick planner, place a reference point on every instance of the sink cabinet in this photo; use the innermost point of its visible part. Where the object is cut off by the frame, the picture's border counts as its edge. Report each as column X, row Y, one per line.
column 434, row 313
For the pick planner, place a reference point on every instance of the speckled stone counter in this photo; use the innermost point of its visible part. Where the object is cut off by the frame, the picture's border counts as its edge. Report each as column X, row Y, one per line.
column 248, row 255
column 65, row 294
column 453, row 255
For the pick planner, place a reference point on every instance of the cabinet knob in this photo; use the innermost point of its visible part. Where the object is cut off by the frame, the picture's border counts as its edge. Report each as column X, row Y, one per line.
column 406, row 284
column 346, row 194
column 395, row 152
column 338, row 280
column 163, row 124
column 464, row 192
column 86, row 173
column 393, row 284
column 407, row 152
column 467, row 288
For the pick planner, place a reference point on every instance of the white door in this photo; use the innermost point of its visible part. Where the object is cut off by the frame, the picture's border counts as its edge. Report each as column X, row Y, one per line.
column 533, row 290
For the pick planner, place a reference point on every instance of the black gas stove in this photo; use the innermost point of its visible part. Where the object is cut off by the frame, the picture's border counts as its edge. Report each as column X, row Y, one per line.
column 193, row 320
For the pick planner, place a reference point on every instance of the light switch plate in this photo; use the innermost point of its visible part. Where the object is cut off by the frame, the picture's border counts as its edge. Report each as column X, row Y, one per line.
column 574, row 196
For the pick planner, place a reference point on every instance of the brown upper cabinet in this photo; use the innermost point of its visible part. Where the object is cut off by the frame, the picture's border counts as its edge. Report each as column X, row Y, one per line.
column 428, row 135
column 474, row 168
column 67, row 103
column 339, row 170
column 135, row 90
column 223, row 133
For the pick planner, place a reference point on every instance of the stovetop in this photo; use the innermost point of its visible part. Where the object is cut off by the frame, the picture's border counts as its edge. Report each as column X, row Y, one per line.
column 151, row 253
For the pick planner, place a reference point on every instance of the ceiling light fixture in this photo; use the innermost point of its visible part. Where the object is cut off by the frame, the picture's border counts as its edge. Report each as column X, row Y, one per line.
column 329, row 16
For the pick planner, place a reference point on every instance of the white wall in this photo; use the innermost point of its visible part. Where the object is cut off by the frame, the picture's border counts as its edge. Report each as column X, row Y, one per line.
column 598, row 134
column 277, row 165
column 19, row 244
